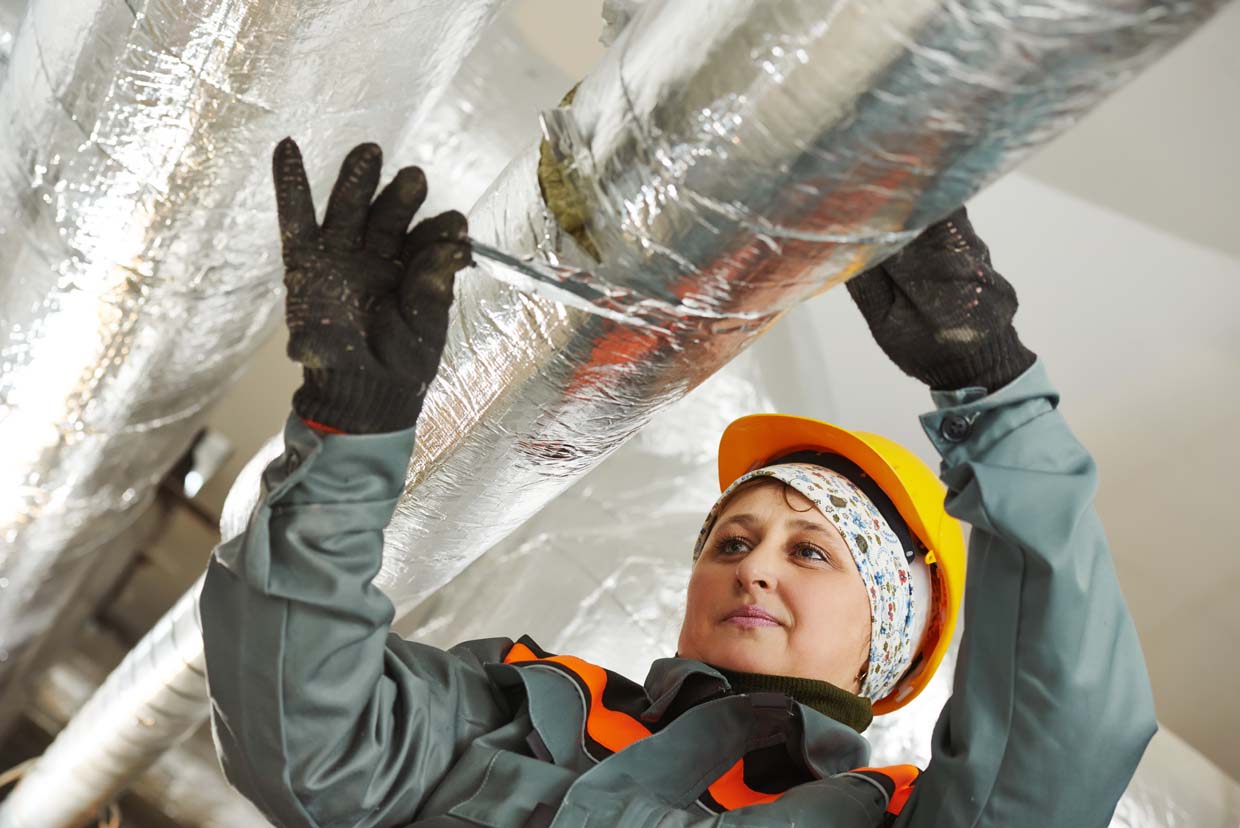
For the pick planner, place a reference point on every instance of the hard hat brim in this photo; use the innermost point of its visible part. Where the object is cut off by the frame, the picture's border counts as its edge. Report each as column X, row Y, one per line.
column 753, row 441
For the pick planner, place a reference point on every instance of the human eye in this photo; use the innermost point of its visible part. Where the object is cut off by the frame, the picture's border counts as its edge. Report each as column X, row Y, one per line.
column 809, row 552
column 731, row 545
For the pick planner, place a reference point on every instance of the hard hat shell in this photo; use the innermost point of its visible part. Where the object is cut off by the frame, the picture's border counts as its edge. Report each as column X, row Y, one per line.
column 753, row 441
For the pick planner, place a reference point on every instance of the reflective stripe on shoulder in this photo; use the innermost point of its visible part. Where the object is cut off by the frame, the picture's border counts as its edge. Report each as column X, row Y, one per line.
column 897, row 781
column 613, row 730
column 609, row 729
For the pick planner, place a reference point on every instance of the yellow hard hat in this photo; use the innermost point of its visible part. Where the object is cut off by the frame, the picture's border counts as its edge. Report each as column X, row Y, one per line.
column 913, row 488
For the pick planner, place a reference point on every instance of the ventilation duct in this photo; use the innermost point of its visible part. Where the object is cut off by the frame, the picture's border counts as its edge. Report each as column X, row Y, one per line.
column 185, row 784
column 137, row 273
column 158, row 696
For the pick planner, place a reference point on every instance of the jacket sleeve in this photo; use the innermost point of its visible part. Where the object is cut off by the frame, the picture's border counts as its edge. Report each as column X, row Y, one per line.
column 1052, row 707
column 322, row 718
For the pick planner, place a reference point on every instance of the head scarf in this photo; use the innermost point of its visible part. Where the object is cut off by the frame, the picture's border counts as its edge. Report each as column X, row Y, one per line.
column 899, row 596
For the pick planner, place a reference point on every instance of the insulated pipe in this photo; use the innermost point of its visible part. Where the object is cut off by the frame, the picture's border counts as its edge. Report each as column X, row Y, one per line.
column 185, row 783
column 722, row 190
column 154, row 699
column 729, row 165
column 157, row 696
column 136, row 270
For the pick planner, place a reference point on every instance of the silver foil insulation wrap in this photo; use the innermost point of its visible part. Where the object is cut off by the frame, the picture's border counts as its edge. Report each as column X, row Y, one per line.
column 185, row 783
column 137, row 266
column 156, row 697
column 127, row 730
column 733, row 164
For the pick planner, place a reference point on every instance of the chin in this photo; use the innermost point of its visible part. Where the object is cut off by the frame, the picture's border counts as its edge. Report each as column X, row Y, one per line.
column 744, row 657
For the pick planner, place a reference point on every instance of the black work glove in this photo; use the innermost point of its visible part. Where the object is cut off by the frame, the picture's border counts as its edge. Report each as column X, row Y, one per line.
column 941, row 312
column 367, row 304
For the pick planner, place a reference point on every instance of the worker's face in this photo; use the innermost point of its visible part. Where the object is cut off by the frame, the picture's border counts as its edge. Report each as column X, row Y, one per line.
column 771, row 550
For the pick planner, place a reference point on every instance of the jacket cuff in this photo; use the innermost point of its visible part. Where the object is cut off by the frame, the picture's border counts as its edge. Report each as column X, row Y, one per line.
column 968, row 421
column 335, row 468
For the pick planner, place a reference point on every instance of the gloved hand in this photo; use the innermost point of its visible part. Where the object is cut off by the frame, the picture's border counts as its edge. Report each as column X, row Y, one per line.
column 941, row 312
column 367, row 304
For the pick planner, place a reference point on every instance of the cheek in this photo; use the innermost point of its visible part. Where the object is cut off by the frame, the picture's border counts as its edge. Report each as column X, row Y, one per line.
column 700, row 594
column 839, row 604
column 702, row 601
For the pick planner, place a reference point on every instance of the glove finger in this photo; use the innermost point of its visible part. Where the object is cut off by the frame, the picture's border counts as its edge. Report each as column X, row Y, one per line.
column 873, row 292
column 294, row 202
column 451, row 226
column 426, row 293
column 393, row 210
column 349, row 203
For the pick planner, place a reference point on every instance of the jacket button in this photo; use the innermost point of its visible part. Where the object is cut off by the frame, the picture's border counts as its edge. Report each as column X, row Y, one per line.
column 292, row 460
column 955, row 428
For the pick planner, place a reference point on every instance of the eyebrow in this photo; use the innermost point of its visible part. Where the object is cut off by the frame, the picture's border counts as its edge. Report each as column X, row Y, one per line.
column 748, row 521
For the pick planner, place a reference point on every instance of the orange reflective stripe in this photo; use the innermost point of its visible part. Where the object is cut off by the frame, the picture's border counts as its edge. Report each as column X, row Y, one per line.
column 616, row 731
column 520, row 652
column 731, row 792
column 610, row 728
column 903, row 777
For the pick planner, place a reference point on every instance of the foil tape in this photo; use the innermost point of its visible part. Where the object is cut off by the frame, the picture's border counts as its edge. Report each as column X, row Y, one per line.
column 138, row 269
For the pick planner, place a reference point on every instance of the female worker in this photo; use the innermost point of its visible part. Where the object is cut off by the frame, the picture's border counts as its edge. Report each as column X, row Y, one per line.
column 824, row 587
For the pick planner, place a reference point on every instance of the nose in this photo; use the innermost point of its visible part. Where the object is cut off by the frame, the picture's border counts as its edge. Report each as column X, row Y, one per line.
column 756, row 571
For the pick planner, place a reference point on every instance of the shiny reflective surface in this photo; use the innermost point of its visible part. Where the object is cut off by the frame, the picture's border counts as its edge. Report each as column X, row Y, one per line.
column 138, row 258
column 139, row 270
column 731, row 174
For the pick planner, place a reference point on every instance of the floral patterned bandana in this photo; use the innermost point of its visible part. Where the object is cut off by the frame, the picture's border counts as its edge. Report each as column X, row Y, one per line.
column 895, row 611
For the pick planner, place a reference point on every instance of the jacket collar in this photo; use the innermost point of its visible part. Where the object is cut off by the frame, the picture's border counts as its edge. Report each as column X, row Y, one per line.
column 677, row 684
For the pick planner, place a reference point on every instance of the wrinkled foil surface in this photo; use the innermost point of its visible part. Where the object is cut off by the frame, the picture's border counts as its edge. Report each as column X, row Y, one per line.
column 731, row 173
column 137, row 266
column 185, row 784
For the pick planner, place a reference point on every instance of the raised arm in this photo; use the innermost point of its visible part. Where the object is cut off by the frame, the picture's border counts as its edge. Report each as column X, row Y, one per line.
column 1052, row 707
column 321, row 716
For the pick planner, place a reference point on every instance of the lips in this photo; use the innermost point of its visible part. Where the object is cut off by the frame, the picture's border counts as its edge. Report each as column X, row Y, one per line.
column 751, row 616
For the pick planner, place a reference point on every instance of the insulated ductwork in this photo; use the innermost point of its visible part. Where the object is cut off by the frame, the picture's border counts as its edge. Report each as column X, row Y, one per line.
column 730, row 165
column 724, row 168
column 137, row 270
column 153, row 700
column 185, row 784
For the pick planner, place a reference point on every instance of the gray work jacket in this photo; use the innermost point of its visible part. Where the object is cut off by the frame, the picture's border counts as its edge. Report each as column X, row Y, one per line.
column 323, row 718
